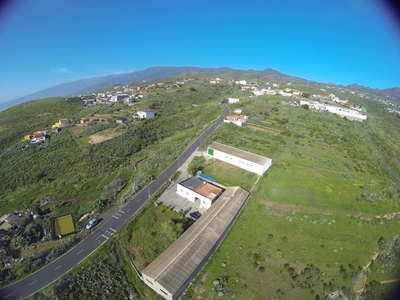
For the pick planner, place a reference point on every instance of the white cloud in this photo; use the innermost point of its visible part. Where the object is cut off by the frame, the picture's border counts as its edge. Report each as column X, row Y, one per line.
column 60, row 70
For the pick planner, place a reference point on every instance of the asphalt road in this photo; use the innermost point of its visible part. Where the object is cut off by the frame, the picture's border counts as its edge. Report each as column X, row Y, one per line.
column 110, row 223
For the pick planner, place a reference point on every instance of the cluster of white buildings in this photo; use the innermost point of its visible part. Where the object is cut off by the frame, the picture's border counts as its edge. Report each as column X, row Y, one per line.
column 342, row 111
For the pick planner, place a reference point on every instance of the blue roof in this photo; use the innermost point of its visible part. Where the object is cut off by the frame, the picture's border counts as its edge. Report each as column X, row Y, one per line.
column 207, row 178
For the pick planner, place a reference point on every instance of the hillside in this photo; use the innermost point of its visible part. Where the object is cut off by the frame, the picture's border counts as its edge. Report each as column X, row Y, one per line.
column 313, row 220
column 392, row 92
column 95, row 84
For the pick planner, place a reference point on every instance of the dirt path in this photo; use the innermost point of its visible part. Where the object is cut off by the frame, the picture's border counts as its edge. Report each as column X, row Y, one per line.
column 362, row 280
column 265, row 129
column 390, row 281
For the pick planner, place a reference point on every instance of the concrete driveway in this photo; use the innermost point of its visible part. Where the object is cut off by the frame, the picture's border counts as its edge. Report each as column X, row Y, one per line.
column 176, row 202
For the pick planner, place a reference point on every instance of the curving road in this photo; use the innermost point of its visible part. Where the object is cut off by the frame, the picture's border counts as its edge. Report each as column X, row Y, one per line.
column 110, row 224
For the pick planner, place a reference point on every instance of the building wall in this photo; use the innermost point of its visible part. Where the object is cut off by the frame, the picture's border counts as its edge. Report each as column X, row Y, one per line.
column 157, row 287
column 242, row 163
column 191, row 196
column 146, row 114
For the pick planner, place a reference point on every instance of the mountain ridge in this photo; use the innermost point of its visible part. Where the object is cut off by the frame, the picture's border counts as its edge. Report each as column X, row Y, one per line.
column 94, row 84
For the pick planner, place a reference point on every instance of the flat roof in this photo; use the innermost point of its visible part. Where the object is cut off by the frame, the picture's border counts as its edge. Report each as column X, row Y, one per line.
column 180, row 262
column 191, row 183
column 258, row 159
column 208, row 190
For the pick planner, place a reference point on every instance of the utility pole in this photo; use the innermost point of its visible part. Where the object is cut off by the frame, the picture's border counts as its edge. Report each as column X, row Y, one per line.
column 59, row 236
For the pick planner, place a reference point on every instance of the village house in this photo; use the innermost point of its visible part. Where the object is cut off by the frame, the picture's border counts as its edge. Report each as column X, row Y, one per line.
column 197, row 190
column 89, row 120
column 145, row 114
column 118, row 97
column 62, row 123
column 129, row 101
column 233, row 100
column 241, row 82
column 36, row 137
column 238, row 120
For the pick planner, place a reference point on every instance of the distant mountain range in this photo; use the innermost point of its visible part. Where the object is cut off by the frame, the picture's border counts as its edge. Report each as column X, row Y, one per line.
column 392, row 92
column 94, row 84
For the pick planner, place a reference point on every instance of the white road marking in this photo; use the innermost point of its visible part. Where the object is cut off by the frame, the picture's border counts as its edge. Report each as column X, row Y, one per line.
column 115, row 217
column 57, row 267
column 113, row 229
column 104, row 236
column 33, row 282
column 7, row 296
column 122, row 211
column 79, row 252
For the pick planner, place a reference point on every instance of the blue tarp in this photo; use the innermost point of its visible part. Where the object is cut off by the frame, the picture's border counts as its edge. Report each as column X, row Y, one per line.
column 207, row 178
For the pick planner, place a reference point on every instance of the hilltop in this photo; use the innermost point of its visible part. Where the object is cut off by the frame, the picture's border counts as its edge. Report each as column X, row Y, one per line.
column 94, row 84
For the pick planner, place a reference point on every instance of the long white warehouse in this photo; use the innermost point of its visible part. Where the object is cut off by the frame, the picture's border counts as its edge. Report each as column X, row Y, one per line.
column 171, row 272
column 248, row 161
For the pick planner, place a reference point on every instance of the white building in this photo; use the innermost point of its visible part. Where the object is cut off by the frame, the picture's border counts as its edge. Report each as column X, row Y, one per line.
column 248, row 161
column 118, row 97
column 173, row 270
column 197, row 190
column 145, row 114
column 242, row 82
column 233, row 100
column 237, row 120
column 350, row 114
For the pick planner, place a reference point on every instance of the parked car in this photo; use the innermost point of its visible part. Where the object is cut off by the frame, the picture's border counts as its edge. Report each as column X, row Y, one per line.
column 91, row 224
column 195, row 215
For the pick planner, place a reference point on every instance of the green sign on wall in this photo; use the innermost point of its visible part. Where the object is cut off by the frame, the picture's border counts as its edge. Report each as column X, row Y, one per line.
column 210, row 151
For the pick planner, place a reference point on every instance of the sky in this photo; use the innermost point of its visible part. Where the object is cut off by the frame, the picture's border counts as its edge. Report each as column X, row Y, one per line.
column 48, row 42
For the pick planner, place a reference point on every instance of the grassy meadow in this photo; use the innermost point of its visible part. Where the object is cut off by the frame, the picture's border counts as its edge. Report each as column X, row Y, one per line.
column 315, row 217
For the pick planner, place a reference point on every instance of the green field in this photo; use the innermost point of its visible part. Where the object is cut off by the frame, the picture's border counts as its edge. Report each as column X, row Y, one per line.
column 315, row 217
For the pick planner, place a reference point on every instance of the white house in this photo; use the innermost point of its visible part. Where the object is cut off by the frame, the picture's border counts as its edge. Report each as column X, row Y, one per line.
column 242, row 82
column 248, row 161
column 118, row 97
column 233, row 100
column 237, row 120
column 145, row 114
column 195, row 189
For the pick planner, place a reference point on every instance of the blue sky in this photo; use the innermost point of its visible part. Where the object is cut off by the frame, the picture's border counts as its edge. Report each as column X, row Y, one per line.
column 48, row 42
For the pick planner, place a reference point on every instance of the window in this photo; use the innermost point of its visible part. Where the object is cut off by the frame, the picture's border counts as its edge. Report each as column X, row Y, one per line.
column 149, row 281
column 163, row 292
